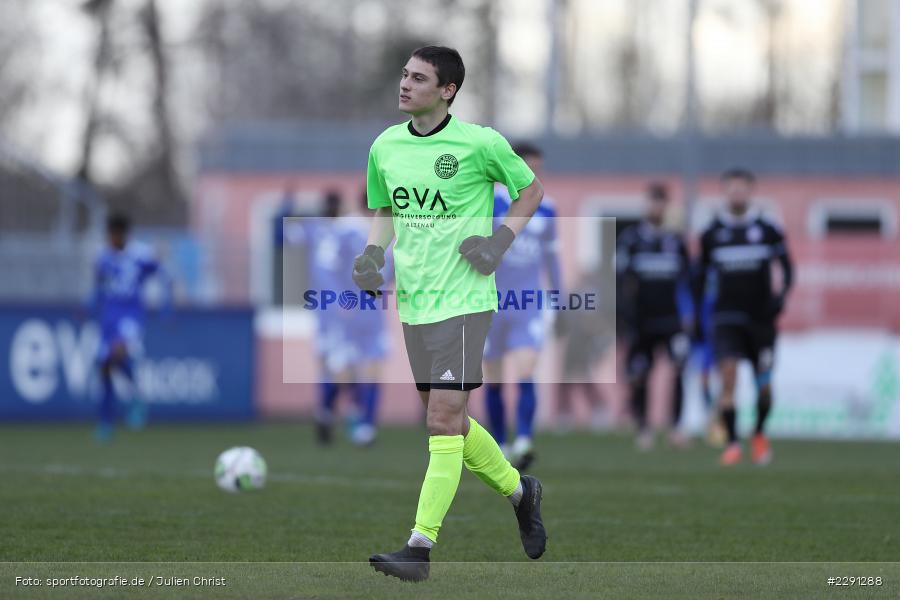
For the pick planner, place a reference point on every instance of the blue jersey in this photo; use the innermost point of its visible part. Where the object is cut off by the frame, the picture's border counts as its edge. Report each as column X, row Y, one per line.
column 346, row 336
column 335, row 243
column 332, row 245
column 119, row 277
column 533, row 252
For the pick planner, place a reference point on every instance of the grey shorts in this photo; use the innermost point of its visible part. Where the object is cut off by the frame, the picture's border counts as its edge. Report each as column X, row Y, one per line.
column 447, row 354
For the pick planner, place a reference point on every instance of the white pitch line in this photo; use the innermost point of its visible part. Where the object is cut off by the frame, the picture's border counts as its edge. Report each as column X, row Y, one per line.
column 118, row 473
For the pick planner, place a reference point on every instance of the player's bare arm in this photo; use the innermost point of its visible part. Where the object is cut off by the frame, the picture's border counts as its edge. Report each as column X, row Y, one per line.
column 524, row 208
column 381, row 233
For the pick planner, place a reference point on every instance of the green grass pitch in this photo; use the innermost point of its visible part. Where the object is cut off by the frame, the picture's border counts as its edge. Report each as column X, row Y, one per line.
column 666, row 524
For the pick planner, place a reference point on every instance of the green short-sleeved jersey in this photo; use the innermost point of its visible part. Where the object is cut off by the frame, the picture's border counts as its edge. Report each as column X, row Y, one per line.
column 440, row 188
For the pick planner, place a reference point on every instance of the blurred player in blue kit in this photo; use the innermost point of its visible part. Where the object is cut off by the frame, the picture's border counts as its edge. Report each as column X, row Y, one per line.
column 117, row 302
column 351, row 342
column 518, row 332
column 705, row 361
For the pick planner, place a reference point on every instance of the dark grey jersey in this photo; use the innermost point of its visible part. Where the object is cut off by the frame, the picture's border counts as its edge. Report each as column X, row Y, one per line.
column 740, row 252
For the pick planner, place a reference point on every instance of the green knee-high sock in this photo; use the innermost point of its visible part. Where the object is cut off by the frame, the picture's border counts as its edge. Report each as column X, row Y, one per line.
column 441, row 481
column 483, row 456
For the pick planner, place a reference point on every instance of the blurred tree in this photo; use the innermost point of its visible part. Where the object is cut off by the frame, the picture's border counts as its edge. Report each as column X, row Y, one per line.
column 161, row 115
column 17, row 40
column 152, row 190
column 144, row 96
column 32, row 197
column 148, row 185
column 570, row 103
column 309, row 61
column 635, row 68
column 487, row 57
column 766, row 108
column 791, row 98
column 99, row 11
column 299, row 62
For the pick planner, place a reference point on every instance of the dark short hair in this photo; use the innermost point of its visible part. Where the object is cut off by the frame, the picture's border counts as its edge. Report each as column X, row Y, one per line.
column 739, row 173
column 524, row 149
column 118, row 223
column 364, row 199
column 331, row 203
column 447, row 63
column 657, row 190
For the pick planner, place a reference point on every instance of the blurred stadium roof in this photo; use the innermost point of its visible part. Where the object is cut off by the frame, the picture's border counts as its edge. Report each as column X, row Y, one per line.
column 319, row 147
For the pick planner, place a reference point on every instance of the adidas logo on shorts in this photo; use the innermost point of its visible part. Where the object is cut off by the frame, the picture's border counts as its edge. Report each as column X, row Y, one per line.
column 448, row 376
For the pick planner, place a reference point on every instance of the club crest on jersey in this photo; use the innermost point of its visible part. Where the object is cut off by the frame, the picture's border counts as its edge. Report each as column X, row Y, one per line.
column 446, row 166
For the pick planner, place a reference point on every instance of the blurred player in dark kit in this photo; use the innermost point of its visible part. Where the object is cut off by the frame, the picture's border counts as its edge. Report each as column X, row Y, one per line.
column 740, row 246
column 653, row 274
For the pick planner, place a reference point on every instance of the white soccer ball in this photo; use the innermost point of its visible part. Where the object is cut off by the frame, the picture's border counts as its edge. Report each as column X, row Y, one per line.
column 240, row 469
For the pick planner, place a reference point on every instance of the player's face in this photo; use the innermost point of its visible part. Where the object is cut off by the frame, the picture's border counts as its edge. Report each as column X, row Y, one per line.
column 656, row 210
column 737, row 194
column 117, row 239
column 331, row 208
column 536, row 164
column 419, row 89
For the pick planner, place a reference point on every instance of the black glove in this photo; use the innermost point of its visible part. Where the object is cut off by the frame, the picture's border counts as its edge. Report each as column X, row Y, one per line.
column 367, row 269
column 485, row 252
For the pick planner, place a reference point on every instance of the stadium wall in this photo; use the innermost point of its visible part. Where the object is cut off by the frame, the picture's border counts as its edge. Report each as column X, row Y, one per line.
column 837, row 273
column 844, row 280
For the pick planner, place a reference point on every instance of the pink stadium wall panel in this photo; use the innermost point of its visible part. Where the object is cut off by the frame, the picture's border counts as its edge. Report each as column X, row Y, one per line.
column 840, row 281
column 224, row 202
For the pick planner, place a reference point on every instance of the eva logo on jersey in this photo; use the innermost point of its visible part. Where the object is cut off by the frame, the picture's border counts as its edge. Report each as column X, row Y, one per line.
column 402, row 198
column 445, row 167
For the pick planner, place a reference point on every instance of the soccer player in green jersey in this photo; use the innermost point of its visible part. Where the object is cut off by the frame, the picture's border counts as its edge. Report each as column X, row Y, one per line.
column 431, row 183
